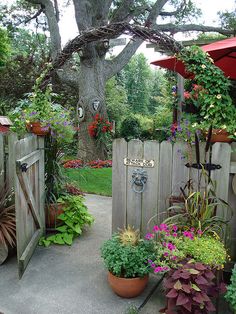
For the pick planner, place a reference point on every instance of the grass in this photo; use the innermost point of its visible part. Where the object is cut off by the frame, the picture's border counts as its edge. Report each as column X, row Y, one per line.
column 94, row 181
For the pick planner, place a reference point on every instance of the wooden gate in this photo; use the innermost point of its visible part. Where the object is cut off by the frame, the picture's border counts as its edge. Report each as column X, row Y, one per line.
column 164, row 179
column 29, row 197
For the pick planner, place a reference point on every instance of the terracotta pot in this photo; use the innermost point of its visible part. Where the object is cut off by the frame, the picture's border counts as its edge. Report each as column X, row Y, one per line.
column 37, row 128
column 127, row 287
column 220, row 135
column 52, row 211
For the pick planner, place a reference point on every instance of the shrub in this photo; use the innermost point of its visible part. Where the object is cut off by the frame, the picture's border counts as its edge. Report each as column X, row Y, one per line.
column 130, row 128
column 231, row 291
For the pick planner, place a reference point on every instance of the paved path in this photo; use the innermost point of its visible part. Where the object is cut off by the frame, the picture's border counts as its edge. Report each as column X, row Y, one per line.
column 67, row 280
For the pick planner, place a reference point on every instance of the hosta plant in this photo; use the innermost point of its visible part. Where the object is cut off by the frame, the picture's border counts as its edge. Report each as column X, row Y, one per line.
column 74, row 218
column 189, row 289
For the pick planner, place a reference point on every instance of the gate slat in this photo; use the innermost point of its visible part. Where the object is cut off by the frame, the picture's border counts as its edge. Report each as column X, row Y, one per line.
column 165, row 178
column 2, row 163
column 149, row 197
column 134, row 200
column 119, row 172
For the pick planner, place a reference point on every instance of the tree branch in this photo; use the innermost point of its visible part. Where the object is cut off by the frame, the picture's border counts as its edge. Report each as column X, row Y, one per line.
column 116, row 65
column 35, row 15
column 173, row 29
column 123, row 12
column 57, row 10
column 173, row 13
column 52, row 25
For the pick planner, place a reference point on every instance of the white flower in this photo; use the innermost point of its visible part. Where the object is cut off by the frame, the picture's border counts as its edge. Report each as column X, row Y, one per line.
column 211, row 106
column 194, row 125
column 224, row 126
column 218, row 96
column 203, row 66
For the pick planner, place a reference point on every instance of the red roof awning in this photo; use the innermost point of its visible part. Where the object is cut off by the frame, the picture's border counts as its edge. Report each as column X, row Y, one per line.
column 223, row 53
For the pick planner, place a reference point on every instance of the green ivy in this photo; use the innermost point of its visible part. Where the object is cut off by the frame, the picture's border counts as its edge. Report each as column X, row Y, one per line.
column 74, row 218
column 216, row 104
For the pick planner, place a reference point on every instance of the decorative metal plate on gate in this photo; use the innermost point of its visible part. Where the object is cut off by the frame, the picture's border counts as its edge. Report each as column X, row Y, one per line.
column 139, row 162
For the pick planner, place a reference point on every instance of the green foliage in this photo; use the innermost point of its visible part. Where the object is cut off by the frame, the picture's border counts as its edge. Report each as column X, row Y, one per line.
column 216, row 104
column 162, row 122
column 74, row 218
column 136, row 78
column 130, row 128
column 206, row 249
column 199, row 210
column 127, row 260
column 230, row 295
column 116, row 100
column 95, row 181
column 228, row 20
column 4, row 47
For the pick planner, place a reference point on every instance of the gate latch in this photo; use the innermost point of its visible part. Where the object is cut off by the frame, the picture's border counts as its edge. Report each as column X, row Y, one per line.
column 23, row 167
column 139, row 180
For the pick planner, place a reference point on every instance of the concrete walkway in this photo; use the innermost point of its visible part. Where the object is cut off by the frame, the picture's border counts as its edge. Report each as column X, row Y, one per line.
column 68, row 280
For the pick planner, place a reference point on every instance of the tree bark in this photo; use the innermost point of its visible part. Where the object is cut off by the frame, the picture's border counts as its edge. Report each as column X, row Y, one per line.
column 92, row 100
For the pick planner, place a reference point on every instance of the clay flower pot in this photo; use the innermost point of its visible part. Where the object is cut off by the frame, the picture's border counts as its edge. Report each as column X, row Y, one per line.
column 52, row 211
column 220, row 135
column 37, row 128
column 127, row 287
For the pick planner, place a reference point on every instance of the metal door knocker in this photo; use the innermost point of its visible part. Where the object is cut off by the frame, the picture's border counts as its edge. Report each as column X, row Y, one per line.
column 139, row 180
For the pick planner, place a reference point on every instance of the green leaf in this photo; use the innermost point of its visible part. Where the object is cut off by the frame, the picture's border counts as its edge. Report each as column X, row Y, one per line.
column 58, row 239
column 62, row 217
column 62, row 228
column 195, row 287
column 68, row 238
column 193, row 271
column 178, row 285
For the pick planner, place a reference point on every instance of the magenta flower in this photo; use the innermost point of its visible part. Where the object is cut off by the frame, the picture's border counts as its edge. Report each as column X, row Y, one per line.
column 163, row 227
column 174, row 234
column 174, row 228
column 156, row 229
column 149, row 236
column 171, row 246
column 174, row 258
column 200, row 232
column 166, row 254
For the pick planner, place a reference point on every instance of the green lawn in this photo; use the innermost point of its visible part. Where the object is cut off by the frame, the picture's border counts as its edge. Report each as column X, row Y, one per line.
column 95, row 181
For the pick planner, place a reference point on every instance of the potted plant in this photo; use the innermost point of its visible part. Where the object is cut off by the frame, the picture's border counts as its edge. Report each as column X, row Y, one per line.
column 126, row 258
column 7, row 223
column 230, row 295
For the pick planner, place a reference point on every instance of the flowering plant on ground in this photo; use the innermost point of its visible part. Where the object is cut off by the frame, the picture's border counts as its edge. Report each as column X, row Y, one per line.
column 78, row 163
column 230, row 295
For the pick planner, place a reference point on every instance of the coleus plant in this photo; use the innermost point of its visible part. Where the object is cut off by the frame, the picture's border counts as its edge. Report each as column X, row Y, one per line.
column 189, row 289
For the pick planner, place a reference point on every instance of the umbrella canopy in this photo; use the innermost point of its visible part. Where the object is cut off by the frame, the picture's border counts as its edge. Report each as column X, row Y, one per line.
column 223, row 53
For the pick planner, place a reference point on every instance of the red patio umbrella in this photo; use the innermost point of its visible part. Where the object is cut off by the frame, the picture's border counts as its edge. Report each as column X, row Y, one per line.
column 223, row 53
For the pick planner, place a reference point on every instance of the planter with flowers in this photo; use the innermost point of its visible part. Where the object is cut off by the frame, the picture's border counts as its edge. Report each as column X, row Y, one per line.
column 126, row 258
column 215, row 103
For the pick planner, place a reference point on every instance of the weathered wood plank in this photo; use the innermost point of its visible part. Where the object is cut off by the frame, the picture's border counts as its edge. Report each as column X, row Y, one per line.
column 233, row 167
column 180, row 173
column 30, row 159
column 28, row 252
column 221, row 155
column 165, row 178
column 41, row 181
column 134, row 200
column 119, row 184
column 2, row 162
column 11, row 166
column 149, row 197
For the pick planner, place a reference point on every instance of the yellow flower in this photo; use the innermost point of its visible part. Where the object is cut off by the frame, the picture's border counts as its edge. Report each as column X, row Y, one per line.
column 224, row 126
column 203, row 66
column 235, row 133
column 27, row 121
column 218, row 96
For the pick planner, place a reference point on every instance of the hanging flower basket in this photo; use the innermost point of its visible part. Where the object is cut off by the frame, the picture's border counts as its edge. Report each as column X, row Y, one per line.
column 37, row 128
column 220, row 135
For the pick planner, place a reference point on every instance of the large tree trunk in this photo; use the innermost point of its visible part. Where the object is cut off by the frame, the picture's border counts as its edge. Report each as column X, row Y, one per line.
column 91, row 94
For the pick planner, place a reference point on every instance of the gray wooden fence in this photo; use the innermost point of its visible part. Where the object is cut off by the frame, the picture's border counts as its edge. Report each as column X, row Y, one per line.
column 22, row 168
column 164, row 179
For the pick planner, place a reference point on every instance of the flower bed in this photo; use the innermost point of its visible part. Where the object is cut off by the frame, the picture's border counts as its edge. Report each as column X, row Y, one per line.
column 78, row 163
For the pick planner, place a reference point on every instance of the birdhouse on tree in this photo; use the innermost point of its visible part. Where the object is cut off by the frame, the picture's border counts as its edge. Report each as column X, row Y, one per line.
column 5, row 124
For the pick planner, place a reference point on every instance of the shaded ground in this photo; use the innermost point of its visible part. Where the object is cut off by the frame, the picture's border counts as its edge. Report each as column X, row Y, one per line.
column 67, row 280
